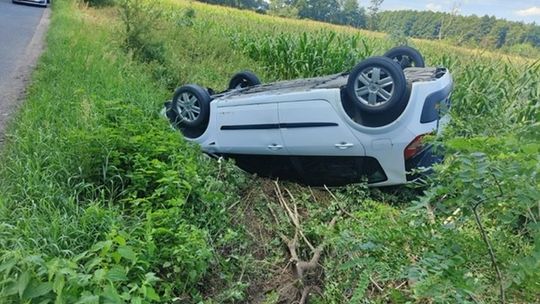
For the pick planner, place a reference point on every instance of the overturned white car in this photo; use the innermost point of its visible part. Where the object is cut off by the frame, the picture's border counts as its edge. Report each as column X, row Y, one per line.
column 364, row 124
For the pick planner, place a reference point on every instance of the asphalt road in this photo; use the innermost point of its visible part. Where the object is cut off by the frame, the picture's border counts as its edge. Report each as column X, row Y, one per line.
column 17, row 26
column 22, row 28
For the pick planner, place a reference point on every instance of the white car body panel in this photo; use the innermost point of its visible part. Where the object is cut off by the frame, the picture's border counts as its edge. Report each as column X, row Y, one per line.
column 335, row 140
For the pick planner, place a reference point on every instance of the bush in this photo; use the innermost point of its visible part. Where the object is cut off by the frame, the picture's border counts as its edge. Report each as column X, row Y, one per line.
column 99, row 3
column 140, row 18
column 398, row 37
column 523, row 49
column 113, row 270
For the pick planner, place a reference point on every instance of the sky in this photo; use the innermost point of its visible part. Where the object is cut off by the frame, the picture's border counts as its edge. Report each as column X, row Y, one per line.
column 514, row 10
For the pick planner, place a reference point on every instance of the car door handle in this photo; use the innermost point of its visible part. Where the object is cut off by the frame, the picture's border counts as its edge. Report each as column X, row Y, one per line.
column 275, row 147
column 344, row 145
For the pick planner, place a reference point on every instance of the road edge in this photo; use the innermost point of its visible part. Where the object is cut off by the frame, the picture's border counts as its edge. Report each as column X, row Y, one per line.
column 13, row 92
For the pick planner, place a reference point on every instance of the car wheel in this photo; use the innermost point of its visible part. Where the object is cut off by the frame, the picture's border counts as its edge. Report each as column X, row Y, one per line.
column 406, row 57
column 377, row 85
column 192, row 106
column 243, row 79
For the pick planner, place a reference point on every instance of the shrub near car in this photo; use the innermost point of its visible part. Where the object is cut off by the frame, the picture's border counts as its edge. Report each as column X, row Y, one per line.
column 366, row 124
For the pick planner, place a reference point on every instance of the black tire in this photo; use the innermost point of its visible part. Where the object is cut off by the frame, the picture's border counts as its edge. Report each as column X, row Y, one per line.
column 406, row 57
column 243, row 79
column 187, row 100
column 377, row 85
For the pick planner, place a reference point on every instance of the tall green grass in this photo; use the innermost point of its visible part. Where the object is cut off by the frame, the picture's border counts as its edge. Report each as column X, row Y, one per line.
column 289, row 56
column 101, row 200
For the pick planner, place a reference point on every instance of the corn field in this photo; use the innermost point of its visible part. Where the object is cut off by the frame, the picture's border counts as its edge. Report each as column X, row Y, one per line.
column 289, row 56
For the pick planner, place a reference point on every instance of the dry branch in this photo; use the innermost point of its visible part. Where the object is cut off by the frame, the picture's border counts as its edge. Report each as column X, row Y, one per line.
column 299, row 267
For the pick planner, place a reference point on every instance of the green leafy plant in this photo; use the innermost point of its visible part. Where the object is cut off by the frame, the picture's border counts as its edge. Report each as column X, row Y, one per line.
column 139, row 18
column 112, row 270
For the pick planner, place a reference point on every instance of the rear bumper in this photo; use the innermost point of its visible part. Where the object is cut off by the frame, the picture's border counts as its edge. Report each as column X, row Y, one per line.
column 421, row 164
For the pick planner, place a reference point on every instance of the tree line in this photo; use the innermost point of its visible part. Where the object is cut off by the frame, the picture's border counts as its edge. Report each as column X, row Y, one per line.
column 484, row 31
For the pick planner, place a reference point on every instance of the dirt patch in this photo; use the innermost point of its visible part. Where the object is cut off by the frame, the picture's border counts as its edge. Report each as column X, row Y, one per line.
column 13, row 91
column 281, row 275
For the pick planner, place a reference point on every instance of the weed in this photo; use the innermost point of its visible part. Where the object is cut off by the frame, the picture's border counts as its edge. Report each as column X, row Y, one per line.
column 139, row 18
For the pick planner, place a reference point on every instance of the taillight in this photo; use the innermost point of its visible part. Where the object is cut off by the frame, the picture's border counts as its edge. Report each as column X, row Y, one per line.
column 414, row 147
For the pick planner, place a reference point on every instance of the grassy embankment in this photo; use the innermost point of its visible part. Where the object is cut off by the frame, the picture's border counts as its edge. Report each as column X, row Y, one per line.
column 103, row 202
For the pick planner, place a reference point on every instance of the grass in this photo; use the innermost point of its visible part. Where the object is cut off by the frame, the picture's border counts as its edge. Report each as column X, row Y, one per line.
column 102, row 202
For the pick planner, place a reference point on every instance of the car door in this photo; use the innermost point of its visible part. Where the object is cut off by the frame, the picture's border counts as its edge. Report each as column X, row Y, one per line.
column 314, row 128
column 249, row 128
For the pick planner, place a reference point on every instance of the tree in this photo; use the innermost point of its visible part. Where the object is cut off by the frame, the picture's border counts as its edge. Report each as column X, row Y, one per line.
column 323, row 10
column 486, row 24
column 373, row 10
column 282, row 8
column 350, row 13
column 532, row 35
column 448, row 19
column 498, row 34
column 485, row 31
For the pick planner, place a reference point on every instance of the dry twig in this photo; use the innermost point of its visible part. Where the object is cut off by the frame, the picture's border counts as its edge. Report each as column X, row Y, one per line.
column 339, row 205
column 299, row 267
